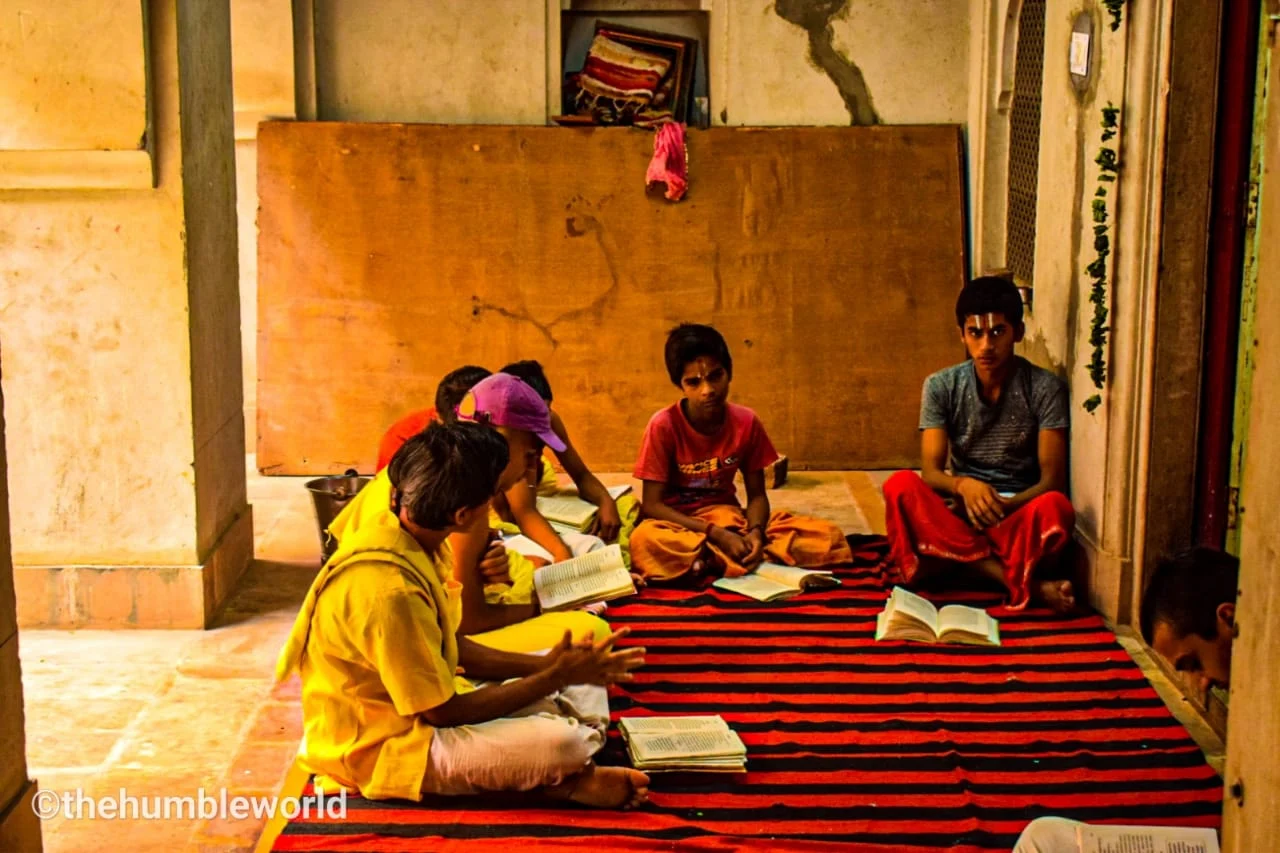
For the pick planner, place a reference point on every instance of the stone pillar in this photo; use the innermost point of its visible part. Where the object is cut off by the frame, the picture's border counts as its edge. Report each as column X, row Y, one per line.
column 120, row 314
column 19, row 828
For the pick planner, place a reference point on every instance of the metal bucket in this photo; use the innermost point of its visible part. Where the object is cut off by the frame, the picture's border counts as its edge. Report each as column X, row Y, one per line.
column 329, row 495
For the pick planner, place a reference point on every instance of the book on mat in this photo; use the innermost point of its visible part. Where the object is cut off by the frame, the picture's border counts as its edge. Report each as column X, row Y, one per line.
column 688, row 744
column 1147, row 839
column 598, row 576
column 772, row 581
column 571, row 513
column 907, row 616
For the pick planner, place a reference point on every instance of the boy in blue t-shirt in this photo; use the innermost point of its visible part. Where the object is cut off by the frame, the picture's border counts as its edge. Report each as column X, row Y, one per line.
column 991, row 492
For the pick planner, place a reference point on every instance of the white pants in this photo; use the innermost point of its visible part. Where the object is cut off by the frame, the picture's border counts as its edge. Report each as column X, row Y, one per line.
column 579, row 544
column 1049, row 835
column 541, row 744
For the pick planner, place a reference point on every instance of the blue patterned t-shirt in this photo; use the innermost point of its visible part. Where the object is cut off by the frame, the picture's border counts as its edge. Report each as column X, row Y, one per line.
column 997, row 444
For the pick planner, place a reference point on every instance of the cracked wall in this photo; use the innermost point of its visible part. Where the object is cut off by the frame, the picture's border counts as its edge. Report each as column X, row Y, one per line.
column 798, row 62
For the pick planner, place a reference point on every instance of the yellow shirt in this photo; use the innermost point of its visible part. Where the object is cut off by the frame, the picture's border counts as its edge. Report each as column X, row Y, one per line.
column 381, row 651
column 375, row 642
column 547, row 484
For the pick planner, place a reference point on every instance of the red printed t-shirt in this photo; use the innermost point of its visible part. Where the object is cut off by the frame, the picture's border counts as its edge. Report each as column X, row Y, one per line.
column 401, row 431
column 699, row 469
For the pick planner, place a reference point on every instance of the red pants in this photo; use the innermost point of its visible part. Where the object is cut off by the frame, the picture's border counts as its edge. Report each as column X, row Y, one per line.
column 919, row 524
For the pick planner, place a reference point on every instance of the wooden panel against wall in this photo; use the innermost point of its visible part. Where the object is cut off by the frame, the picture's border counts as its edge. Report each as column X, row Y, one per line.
column 390, row 254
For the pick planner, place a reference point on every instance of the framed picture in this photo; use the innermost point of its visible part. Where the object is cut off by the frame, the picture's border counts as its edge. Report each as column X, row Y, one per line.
column 632, row 76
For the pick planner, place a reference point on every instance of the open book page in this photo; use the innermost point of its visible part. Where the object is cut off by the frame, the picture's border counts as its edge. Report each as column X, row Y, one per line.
column 757, row 587
column 1146, row 839
column 566, row 509
column 561, row 528
column 655, row 746
column 796, row 577
column 905, row 603
column 955, row 621
column 598, row 576
column 668, row 725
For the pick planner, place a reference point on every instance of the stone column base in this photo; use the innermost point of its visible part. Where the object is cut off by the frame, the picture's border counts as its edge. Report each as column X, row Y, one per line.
column 135, row 596
column 19, row 826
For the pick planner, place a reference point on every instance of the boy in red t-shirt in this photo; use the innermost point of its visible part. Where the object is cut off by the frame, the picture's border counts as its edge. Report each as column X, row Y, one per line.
column 689, row 456
column 449, row 394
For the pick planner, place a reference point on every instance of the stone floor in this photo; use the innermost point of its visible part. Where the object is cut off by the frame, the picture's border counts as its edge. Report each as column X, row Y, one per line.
column 166, row 713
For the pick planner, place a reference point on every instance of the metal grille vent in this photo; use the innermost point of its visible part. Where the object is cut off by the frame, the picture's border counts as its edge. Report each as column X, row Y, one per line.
column 1024, row 142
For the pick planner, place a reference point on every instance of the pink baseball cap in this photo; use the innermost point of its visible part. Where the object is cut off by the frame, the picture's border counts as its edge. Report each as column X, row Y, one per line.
column 506, row 401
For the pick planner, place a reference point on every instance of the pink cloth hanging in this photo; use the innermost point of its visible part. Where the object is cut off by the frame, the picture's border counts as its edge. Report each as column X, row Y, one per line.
column 670, row 163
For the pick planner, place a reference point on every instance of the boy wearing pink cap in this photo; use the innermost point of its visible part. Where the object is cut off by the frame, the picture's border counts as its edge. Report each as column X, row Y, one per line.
column 519, row 407
column 515, row 410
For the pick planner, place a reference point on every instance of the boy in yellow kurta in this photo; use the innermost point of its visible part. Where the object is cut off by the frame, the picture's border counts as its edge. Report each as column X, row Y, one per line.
column 525, row 631
column 385, row 710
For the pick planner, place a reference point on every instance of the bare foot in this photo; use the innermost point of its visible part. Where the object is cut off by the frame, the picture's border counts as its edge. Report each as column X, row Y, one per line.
column 604, row 788
column 1058, row 596
column 707, row 563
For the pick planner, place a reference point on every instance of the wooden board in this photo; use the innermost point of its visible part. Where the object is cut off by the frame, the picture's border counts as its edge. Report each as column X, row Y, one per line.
column 388, row 255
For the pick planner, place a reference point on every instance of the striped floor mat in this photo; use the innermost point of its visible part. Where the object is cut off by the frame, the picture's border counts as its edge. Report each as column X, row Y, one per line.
column 852, row 745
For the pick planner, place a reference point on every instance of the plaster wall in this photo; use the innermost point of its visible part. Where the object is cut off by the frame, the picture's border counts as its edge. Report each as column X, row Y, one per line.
column 454, row 61
column 119, row 319
column 1059, row 323
column 97, row 352
column 79, row 59
column 913, row 56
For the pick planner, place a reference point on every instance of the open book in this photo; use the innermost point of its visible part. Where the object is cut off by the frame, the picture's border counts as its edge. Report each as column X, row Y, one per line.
column 771, row 581
column 702, row 744
column 570, row 513
column 1146, row 839
column 907, row 616
column 598, row 576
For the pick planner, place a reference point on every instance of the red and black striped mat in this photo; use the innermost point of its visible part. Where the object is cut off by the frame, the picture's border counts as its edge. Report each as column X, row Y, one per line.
column 852, row 745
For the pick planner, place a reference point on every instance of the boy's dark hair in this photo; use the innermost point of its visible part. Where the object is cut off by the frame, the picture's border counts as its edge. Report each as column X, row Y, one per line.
column 691, row 341
column 989, row 294
column 532, row 374
column 1185, row 592
column 446, row 468
column 454, row 387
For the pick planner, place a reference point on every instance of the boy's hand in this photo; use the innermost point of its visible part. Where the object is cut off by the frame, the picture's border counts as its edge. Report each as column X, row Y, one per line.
column 607, row 522
column 981, row 502
column 495, row 566
column 735, row 546
column 754, row 539
column 594, row 663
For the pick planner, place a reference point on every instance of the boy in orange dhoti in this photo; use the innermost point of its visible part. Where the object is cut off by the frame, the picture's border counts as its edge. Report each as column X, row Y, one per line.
column 689, row 456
